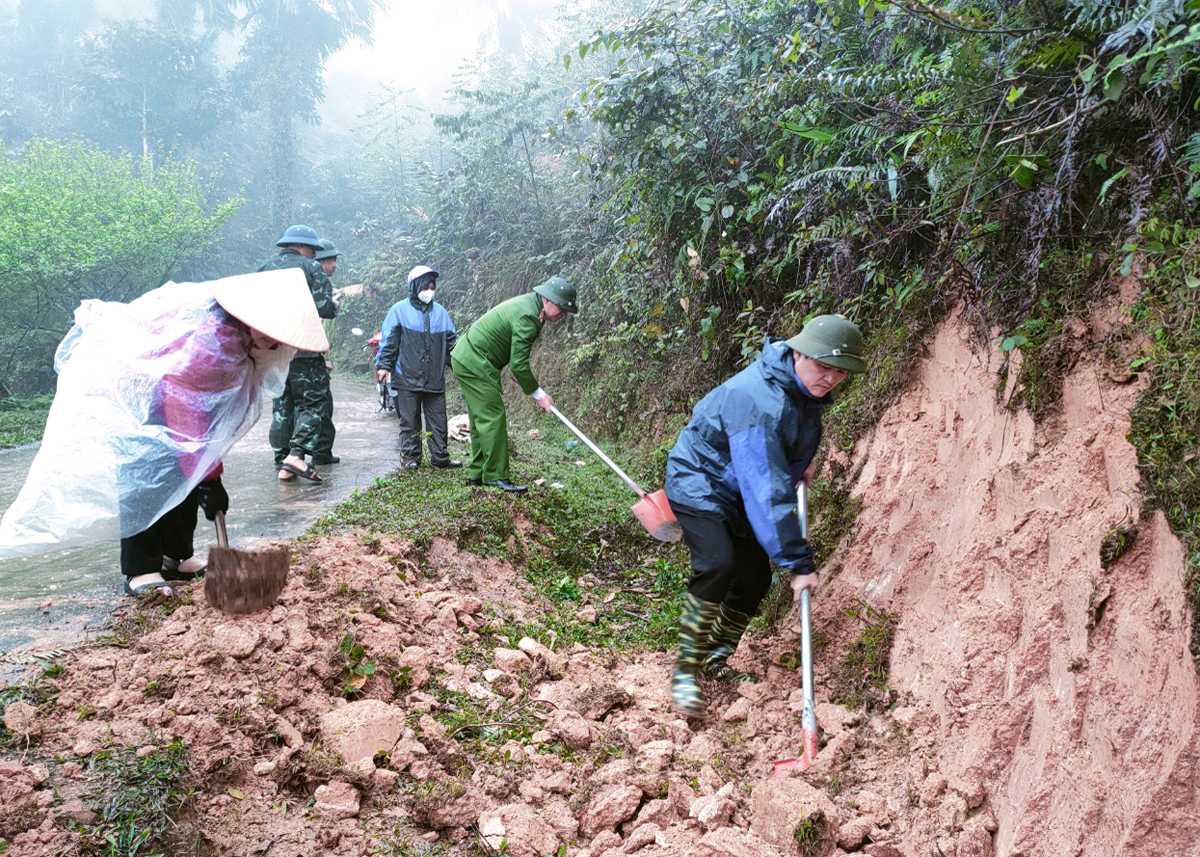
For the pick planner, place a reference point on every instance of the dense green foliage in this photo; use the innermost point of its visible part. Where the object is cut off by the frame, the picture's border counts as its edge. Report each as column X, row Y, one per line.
column 79, row 223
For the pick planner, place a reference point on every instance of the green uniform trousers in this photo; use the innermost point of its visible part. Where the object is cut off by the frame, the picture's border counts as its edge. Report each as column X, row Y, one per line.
column 480, row 384
column 296, row 415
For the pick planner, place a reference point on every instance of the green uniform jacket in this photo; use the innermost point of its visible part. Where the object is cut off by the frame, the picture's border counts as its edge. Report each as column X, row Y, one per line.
column 318, row 283
column 504, row 336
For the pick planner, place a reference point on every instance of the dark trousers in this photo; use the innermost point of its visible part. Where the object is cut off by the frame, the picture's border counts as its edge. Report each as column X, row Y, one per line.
column 726, row 567
column 296, row 415
column 171, row 535
column 409, row 406
column 325, row 437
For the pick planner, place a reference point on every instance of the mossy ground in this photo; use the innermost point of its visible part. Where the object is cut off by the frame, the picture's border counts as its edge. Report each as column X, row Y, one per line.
column 23, row 420
column 1166, row 419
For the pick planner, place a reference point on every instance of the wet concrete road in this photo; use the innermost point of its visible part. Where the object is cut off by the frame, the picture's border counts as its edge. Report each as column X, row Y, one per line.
column 53, row 600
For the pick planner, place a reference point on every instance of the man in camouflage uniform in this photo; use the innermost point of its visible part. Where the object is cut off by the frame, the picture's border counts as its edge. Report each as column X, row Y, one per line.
column 323, row 453
column 296, row 415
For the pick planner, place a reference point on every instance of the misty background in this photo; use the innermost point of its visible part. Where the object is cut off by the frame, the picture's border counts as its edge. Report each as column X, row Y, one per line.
column 177, row 139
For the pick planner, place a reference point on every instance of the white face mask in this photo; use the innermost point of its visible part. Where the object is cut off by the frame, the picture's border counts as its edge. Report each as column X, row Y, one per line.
column 425, row 296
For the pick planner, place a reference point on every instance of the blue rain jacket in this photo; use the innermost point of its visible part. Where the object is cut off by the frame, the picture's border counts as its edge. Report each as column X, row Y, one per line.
column 748, row 443
column 415, row 344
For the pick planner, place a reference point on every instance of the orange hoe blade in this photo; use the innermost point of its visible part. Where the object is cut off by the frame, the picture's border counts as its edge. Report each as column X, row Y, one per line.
column 808, row 716
column 652, row 510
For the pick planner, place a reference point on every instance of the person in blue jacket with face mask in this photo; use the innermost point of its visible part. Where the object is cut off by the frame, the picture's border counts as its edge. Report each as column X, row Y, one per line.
column 415, row 344
column 731, row 481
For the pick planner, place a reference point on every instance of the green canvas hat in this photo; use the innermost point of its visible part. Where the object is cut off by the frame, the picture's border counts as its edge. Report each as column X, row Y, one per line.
column 832, row 339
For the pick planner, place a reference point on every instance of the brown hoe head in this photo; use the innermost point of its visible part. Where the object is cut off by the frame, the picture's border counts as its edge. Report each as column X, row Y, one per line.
column 245, row 581
column 656, row 516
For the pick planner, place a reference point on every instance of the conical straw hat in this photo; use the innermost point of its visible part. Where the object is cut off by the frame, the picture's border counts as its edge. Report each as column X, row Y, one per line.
column 277, row 304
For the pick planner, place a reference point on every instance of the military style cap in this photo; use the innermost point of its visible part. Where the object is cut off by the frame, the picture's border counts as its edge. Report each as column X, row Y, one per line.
column 327, row 251
column 559, row 292
column 300, row 234
column 832, row 339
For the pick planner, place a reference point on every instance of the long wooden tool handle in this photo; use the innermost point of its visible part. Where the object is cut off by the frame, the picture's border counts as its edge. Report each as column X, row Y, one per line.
column 598, row 452
column 222, row 536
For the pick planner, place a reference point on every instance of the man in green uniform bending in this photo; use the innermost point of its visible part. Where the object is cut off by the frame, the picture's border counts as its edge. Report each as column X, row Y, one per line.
column 504, row 336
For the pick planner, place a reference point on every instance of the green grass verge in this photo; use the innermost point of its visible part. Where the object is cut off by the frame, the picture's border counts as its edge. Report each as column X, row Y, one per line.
column 23, row 420
column 578, row 545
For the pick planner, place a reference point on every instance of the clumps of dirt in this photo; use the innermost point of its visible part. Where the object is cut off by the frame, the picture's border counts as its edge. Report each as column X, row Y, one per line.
column 384, row 703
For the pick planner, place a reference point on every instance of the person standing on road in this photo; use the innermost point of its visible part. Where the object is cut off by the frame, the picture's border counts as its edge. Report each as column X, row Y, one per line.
column 504, row 335
column 413, row 356
column 323, row 451
column 731, row 481
column 296, row 415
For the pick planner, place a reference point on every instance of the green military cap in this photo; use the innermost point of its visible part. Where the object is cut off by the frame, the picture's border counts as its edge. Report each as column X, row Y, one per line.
column 833, row 340
column 559, row 292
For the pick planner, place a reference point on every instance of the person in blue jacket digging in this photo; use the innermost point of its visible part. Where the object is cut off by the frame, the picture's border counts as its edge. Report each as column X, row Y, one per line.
column 731, row 481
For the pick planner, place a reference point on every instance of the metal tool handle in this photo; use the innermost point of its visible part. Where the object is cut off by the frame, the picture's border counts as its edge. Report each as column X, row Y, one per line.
column 808, row 717
column 222, row 536
column 598, row 452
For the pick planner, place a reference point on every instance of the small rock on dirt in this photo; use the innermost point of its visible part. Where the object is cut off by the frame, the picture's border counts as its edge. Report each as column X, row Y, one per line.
column 521, row 828
column 360, row 730
column 715, row 810
column 236, row 641
column 511, row 660
column 20, row 718
column 337, row 799
column 609, row 808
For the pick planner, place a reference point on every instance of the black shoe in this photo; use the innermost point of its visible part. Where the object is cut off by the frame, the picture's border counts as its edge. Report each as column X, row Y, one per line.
column 410, row 466
column 475, row 481
column 333, row 459
column 447, row 465
column 505, row 485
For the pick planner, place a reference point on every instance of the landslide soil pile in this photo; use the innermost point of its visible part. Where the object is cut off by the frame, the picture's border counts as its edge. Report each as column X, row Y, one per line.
column 1040, row 702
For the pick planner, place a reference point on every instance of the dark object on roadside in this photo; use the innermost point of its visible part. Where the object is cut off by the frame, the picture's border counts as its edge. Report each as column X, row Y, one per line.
column 244, row 581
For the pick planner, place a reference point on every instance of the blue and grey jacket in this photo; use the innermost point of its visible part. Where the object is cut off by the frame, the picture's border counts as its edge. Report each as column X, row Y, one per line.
column 416, row 339
column 748, row 443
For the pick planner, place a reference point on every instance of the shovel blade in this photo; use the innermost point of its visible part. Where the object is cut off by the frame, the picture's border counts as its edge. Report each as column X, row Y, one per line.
column 245, row 581
column 656, row 516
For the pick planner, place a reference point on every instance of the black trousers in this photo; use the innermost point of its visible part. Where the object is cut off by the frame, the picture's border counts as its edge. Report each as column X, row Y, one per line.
column 409, row 405
column 726, row 567
column 171, row 535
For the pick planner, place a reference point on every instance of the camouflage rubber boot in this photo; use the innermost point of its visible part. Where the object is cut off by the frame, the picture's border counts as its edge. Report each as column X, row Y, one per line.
column 695, row 620
column 725, row 635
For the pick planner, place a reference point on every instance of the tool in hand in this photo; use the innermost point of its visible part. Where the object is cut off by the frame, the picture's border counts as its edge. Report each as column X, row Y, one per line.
column 652, row 510
column 808, row 714
column 243, row 581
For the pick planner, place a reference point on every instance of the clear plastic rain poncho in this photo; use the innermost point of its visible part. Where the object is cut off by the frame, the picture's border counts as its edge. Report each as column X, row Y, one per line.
column 151, row 395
